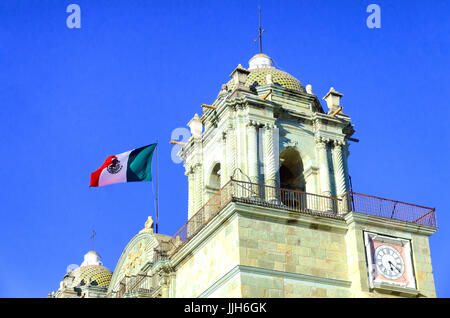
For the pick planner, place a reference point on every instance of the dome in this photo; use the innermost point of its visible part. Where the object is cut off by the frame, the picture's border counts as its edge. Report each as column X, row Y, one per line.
column 260, row 66
column 92, row 271
column 95, row 274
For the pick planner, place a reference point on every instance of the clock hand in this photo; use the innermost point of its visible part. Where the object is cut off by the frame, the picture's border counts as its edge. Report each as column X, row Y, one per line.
column 392, row 265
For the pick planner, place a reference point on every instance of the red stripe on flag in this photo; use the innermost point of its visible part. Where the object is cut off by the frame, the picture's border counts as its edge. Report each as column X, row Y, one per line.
column 95, row 176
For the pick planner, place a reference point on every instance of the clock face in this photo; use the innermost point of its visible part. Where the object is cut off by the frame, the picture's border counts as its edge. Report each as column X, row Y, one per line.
column 389, row 262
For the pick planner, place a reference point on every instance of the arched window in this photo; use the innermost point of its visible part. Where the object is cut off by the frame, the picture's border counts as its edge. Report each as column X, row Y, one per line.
column 291, row 170
column 213, row 181
column 214, row 178
column 292, row 179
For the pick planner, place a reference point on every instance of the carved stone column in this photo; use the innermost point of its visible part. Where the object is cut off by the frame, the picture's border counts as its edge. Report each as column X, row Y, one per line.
column 198, row 187
column 165, row 274
column 252, row 155
column 224, row 176
column 191, row 187
column 325, row 186
column 252, row 137
column 231, row 151
column 270, row 164
column 339, row 172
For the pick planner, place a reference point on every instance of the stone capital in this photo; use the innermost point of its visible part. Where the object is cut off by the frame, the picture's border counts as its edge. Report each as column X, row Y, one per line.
column 321, row 141
column 338, row 143
column 252, row 123
column 270, row 126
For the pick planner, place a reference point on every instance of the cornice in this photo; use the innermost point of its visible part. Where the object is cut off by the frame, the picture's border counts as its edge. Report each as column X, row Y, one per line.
column 391, row 224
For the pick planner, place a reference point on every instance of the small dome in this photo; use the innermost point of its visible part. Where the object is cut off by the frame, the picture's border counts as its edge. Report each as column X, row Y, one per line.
column 260, row 66
column 94, row 274
column 92, row 271
column 260, row 61
column 92, row 258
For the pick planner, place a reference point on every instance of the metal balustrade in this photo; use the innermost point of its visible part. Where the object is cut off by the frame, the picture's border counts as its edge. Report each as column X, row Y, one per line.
column 140, row 284
column 301, row 202
column 386, row 208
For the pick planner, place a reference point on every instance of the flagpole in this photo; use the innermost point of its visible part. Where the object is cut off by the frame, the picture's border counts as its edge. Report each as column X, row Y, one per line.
column 156, row 188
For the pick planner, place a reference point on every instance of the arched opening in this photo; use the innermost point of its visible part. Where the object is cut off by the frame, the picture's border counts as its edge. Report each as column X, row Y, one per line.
column 291, row 170
column 214, row 178
column 292, row 181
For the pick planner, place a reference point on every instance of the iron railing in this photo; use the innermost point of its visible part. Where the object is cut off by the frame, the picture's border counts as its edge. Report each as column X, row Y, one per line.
column 208, row 211
column 301, row 202
column 386, row 208
column 140, row 283
column 286, row 199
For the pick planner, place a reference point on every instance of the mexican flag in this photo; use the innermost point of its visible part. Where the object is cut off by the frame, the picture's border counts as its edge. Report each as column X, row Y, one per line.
column 133, row 165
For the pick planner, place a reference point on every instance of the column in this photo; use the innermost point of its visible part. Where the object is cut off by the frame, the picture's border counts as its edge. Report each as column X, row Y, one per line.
column 198, row 187
column 252, row 155
column 325, row 187
column 231, row 151
column 340, row 175
column 311, row 187
column 224, row 176
column 270, row 164
column 339, row 172
column 190, row 174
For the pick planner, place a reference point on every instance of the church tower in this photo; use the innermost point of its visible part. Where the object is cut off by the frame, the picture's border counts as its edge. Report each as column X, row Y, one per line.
column 266, row 128
column 270, row 210
column 267, row 153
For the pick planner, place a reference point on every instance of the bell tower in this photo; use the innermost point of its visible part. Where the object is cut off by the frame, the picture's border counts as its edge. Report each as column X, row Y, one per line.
column 270, row 211
column 269, row 196
column 265, row 128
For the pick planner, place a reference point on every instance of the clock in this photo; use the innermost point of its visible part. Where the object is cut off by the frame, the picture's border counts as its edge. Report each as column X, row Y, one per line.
column 389, row 261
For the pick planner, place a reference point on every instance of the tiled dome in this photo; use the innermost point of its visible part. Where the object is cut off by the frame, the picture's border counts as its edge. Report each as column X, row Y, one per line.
column 260, row 66
column 97, row 274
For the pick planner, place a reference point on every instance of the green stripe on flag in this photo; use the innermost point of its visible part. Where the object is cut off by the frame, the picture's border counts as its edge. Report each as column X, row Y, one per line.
column 140, row 164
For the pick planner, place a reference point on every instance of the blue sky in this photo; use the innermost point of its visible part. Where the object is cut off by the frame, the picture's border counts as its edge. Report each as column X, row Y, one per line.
column 136, row 70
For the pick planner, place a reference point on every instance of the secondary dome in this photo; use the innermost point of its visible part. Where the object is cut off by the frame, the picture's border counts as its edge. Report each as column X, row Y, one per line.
column 92, row 272
column 260, row 66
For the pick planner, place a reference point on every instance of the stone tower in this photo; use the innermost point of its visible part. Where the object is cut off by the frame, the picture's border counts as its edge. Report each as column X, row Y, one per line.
column 282, row 140
column 270, row 212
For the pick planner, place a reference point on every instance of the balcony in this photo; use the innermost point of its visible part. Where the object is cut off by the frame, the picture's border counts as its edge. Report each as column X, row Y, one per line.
column 136, row 286
column 302, row 203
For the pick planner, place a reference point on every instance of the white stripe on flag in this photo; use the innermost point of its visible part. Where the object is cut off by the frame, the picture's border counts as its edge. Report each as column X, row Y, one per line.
column 120, row 176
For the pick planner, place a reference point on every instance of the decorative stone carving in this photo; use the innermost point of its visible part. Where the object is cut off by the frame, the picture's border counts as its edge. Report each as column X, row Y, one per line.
column 333, row 100
column 252, row 150
column 270, row 163
column 148, row 228
column 231, row 150
column 196, row 126
column 239, row 76
column 321, row 145
column 290, row 144
column 338, row 163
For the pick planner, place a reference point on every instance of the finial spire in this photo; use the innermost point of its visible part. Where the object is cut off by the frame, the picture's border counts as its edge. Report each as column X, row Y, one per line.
column 261, row 31
column 93, row 238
